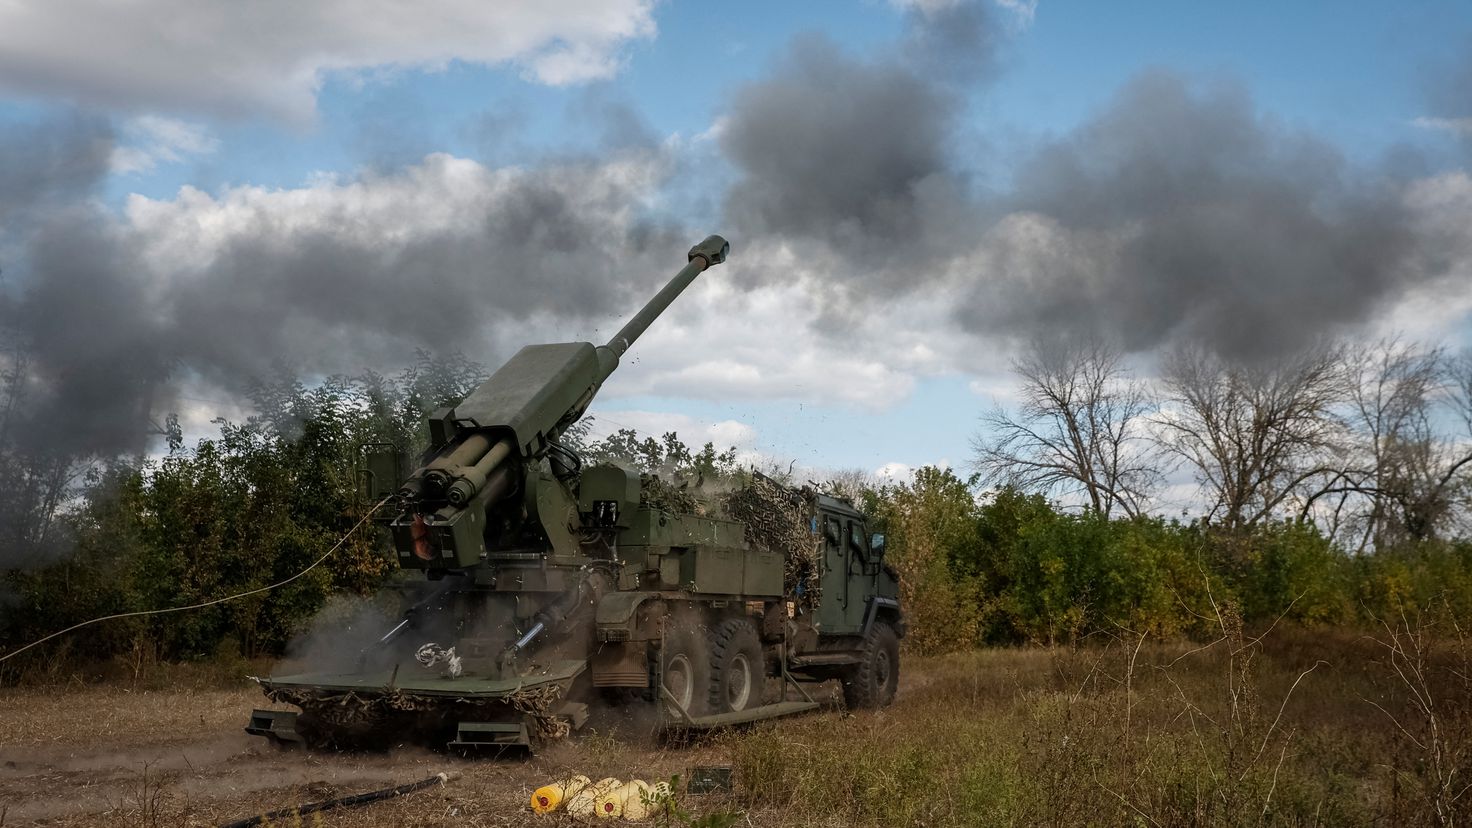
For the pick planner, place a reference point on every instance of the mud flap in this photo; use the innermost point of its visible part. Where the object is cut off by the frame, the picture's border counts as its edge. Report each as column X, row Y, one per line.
column 277, row 725
column 496, row 736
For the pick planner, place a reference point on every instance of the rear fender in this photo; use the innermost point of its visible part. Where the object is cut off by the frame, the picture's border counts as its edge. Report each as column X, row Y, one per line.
column 617, row 616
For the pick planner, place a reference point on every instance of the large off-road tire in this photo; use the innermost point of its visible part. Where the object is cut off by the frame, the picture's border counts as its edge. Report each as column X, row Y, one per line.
column 737, row 669
column 686, row 668
column 871, row 683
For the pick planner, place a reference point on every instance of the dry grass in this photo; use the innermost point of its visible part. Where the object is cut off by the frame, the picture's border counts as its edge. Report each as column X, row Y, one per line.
column 1304, row 728
column 1299, row 728
column 103, row 715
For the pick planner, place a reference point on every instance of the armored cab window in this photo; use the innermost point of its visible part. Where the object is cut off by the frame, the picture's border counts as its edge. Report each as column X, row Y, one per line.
column 856, row 540
column 831, row 531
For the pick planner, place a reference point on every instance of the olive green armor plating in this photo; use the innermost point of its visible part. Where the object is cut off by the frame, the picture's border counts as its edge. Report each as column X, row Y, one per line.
column 553, row 580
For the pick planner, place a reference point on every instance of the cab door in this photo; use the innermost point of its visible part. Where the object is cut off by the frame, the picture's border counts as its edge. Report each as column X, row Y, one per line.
column 838, row 607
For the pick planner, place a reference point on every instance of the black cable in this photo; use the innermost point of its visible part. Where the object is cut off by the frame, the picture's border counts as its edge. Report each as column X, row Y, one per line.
column 575, row 460
column 203, row 604
column 341, row 802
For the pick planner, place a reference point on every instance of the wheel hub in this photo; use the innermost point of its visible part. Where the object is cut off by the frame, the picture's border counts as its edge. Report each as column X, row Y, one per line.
column 738, row 683
column 881, row 669
column 677, row 679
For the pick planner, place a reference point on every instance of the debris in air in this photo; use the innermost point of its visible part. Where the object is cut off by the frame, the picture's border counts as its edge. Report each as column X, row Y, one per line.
column 431, row 654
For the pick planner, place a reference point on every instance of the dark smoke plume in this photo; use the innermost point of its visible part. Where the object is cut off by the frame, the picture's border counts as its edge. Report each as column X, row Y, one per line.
column 961, row 43
column 854, row 156
column 1177, row 213
column 835, row 149
column 1181, row 213
column 103, row 316
column 50, row 165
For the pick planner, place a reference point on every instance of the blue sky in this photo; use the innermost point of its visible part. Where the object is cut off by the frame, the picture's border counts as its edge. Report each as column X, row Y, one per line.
column 661, row 80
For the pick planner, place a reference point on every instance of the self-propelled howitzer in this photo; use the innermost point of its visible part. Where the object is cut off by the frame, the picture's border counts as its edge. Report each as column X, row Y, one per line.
column 549, row 585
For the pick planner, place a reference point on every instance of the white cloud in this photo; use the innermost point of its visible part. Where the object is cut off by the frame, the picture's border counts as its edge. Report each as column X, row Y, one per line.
column 895, row 472
column 240, row 57
column 724, row 434
column 1023, row 11
column 714, row 132
column 693, row 432
column 767, row 325
column 1460, row 126
column 197, row 414
column 998, row 386
column 341, row 274
column 722, row 342
column 150, row 140
column 347, row 274
column 1439, row 309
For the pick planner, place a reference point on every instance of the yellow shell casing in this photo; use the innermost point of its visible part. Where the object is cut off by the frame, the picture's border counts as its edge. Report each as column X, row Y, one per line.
column 584, row 803
column 639, row 800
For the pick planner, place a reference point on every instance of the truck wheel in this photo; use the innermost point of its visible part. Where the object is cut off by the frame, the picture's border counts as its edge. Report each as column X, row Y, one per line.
column 872, row 682
column 686, row 670
column 737, row 669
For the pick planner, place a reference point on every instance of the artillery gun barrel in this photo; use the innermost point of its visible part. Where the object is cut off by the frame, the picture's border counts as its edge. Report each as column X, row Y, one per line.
column 472, row 479
column 710, row 252
column 476, row 464
column 442, row 470
column 465, row 454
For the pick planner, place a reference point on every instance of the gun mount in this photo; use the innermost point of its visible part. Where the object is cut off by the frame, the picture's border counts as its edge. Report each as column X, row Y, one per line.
column 482, row 447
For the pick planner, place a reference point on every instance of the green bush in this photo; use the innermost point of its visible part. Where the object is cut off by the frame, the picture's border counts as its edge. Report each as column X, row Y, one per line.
column 251, row 507
column 1011, row 568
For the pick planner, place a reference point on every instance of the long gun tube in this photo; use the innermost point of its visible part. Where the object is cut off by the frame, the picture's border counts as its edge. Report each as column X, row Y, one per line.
column 710, row 252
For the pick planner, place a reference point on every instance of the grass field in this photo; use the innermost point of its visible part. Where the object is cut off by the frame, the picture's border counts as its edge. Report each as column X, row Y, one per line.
column 1300, row 727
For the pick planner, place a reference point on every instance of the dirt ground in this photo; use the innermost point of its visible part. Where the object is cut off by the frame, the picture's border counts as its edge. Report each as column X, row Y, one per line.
column 105, row 756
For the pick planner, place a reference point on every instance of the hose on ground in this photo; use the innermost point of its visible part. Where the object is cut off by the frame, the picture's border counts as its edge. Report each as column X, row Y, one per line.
column 342, row 801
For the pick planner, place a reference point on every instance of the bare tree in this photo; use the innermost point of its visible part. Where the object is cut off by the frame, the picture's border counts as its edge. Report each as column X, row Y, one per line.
column 1255, row 435
column 1078, row 429
column 1406, row 475
column 1426, row 467
column 850, row 483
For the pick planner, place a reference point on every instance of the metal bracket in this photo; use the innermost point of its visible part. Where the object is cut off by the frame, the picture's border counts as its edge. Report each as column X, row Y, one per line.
column 277, row 725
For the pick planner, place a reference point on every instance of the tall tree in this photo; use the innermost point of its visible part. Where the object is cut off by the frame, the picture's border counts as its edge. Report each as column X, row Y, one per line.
column 1393, row 392
column 1078, row 430
column 1255, row 434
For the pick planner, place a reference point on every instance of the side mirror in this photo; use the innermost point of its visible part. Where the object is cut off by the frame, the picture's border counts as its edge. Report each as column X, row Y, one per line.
column 876, row 545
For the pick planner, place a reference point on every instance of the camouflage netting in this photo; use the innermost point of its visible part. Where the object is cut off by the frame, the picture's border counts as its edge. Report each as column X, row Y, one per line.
column 349, row 711
column 777, row 522
column 775, row 517
column 538, row 703
column 656, row 493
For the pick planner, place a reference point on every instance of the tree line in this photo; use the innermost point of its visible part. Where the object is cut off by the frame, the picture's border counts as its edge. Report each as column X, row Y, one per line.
column 1330, row 486
column 1370, row 442
column 1334, row 489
